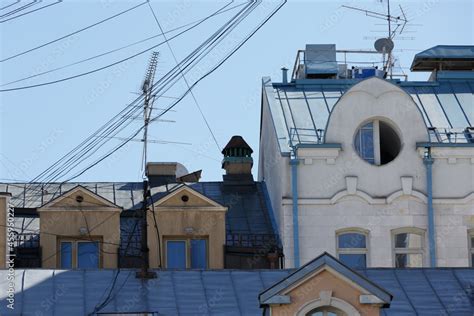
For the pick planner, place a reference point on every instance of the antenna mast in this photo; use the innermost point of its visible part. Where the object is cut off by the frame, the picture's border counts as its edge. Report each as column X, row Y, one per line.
column 400, row 21
column 148, row 102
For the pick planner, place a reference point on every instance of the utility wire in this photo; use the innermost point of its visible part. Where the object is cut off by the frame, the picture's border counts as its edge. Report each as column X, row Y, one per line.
column 103, row 67
column 85, row 142
column 73, row 33
column 29, row 12
column 118, row 49
column 184, row 77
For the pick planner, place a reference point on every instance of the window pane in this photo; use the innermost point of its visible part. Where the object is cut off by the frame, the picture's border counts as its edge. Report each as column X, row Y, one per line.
column 176, row 254
column 198, row 254
column 408, row 240
column 364, row 142
column 403, row 260
column 88, row 255
column 351, row 240
column 472, row 259
column 66, row 255
column 355, row 261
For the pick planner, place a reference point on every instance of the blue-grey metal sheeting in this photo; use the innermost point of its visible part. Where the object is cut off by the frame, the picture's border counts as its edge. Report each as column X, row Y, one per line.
column 441, row 291
column 300, row 111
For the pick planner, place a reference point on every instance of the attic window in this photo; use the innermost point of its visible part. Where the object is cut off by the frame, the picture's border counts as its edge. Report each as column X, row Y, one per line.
column 185, row 198
column 79, row 198
column 377, row 142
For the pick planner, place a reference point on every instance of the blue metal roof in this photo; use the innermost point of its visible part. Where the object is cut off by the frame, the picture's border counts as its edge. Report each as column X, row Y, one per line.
column 444, row 57
column 249, row 210
column 448, row 52
column 441, row 291
column 300, row 110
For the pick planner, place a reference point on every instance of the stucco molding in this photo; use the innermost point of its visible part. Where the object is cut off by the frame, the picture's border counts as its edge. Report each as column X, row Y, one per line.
column 333, row 302
column 213, row 205
column 102, row 203
column 420, row 196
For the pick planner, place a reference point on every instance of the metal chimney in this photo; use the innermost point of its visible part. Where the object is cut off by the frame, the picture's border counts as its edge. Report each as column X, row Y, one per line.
column 284, row 74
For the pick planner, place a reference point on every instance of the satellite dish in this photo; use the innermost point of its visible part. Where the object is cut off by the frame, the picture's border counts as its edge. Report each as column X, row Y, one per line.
column 384, row 45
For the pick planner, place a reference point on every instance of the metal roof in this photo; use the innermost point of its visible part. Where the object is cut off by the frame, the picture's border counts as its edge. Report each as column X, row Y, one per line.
column 314, row 265
column 249, row 210
column 300, row 111
column 441, row 291
column 458, row 56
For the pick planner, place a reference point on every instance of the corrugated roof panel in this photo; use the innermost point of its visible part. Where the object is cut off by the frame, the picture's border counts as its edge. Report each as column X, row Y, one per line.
column 386, row 278
column 219, row 289
column 38, row 290
column 449, row 291
column 161, row 295
column 419, row 291
column 69, row 291
column 190, row 295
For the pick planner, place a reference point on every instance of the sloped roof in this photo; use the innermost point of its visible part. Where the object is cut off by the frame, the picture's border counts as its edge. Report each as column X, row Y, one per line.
column 249, row 211
column 300, row 111
column 324, row 260
column 427, row 59
column 237, row 141
column 441, row 291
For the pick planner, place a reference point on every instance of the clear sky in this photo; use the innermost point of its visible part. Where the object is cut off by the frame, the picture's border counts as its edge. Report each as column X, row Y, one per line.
column 40, row 125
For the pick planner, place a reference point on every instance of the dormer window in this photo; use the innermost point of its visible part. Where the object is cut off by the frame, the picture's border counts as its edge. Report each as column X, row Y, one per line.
column 377, row 142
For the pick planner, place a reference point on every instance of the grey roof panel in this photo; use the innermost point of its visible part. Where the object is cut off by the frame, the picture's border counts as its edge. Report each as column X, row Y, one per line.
column 248, row 211
column 229, row 292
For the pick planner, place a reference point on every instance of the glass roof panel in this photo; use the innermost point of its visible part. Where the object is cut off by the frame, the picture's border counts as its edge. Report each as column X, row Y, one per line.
column 412, row 92
column 301, row 115
column 287, row 115
column 451, row 106
column 466, row 99
column 332, row 97
column 432, row 107
column 318, row 108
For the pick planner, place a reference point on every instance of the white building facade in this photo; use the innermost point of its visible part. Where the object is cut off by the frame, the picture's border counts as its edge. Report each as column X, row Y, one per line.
column 377, row 172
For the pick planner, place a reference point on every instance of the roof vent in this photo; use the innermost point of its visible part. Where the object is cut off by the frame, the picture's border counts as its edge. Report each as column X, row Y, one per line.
column 161, row 173
column 444, row 57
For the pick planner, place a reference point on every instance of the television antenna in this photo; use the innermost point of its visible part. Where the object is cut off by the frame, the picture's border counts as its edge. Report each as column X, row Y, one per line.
column 149, row 98
column 395, row 25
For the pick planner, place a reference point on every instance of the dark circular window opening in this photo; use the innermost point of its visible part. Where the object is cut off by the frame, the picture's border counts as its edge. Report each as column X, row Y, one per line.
column 185, row 198
column 377, row 142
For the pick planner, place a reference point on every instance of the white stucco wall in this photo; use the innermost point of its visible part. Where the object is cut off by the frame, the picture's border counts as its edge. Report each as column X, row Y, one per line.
column 337, row 189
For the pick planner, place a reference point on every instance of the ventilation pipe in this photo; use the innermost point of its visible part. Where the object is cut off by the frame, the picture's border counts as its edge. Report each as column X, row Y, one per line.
column 284, row 75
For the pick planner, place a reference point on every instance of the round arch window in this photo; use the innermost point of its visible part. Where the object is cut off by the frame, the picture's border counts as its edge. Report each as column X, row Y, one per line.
column 377, row 142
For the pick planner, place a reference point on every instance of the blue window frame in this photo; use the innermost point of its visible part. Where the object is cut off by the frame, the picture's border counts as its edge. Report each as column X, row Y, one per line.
column 176, row 254
column 352, row 249
column 66, row 255
column 88, row 255
column 198, row 254
column 364, row 142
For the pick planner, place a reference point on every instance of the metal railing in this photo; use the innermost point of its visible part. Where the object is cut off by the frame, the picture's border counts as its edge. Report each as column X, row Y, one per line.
column 252, row 240
column 451, row 136
column 27, row 240
column 305, row 136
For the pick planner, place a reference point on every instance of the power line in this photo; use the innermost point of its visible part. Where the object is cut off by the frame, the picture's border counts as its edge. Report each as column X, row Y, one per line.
column 184, row 78
column 103, row 67
column 73, row 33
column 118, row 49
column 29, row 12
column 106, row 131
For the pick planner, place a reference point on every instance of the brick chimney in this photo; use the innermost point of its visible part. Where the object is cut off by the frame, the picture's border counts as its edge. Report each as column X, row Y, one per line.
column 237, row 162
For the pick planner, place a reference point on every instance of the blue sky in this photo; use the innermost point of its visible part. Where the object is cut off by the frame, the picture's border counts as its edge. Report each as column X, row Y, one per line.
column 39, row 125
